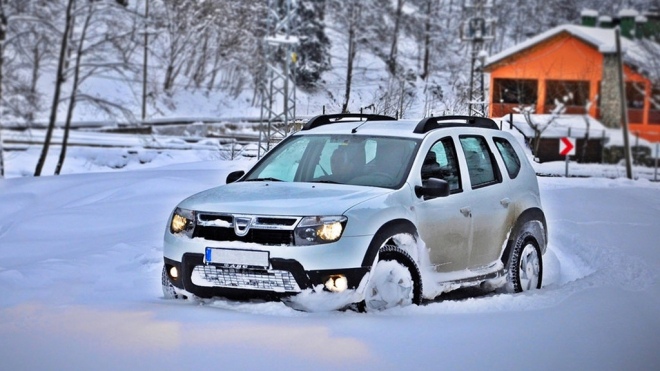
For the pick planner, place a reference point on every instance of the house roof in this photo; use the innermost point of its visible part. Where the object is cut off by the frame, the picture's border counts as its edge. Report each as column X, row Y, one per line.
column 600, row 38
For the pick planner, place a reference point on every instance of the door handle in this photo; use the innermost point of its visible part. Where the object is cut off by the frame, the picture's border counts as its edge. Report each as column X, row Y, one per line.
column 466, row 211
column 505, row 202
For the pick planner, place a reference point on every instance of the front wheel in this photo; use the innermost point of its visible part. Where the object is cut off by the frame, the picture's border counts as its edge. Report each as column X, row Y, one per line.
column 395, row 281
column 526, row 265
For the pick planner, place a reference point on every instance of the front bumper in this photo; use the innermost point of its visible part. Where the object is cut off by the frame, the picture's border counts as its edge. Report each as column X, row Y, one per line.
column 284, row 278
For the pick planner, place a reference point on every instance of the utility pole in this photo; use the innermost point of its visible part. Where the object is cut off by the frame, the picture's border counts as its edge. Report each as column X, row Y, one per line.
column 477, row 30
column 624, row 109
column 278, row 91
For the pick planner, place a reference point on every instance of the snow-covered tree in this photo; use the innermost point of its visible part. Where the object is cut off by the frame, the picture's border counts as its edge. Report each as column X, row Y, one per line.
column 314, row 47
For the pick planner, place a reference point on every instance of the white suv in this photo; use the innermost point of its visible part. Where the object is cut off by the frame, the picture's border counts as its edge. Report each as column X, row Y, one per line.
column 366, row 210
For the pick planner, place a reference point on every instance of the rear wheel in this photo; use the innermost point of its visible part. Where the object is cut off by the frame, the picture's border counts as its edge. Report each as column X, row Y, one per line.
column 394, row 281
column 526, row 265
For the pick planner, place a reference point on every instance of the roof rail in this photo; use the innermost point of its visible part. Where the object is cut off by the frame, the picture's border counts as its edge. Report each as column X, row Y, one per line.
column 331, row 119
column 432, row 123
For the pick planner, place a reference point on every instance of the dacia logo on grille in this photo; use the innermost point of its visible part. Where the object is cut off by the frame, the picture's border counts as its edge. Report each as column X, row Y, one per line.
column 242, row 225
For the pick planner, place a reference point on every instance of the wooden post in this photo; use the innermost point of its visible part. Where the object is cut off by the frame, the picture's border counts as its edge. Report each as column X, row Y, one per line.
column 567, row 159
column 602, row 147
column 655, row 176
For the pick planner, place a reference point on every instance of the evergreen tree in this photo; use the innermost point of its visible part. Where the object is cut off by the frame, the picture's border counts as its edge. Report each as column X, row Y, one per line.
column 314, row 47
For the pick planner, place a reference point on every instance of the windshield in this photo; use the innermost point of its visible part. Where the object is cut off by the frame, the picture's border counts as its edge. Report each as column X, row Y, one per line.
column 341, row 159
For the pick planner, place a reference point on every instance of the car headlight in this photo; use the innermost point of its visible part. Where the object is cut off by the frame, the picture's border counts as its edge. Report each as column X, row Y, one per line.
column 183, row 222
column 314, row 230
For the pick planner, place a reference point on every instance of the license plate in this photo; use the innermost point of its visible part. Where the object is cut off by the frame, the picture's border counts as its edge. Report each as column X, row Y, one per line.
column 233, row 258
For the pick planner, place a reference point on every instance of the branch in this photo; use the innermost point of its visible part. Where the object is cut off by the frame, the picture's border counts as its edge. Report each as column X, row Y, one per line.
column 106, row 105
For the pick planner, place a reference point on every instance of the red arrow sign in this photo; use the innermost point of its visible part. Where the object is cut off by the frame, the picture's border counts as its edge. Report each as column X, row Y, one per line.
column 567, row 146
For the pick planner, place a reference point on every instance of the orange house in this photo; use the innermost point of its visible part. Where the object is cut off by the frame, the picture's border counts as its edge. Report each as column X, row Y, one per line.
column 574, row 65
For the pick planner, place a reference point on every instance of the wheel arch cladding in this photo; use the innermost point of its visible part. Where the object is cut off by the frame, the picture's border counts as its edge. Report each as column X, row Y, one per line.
column 532, row 219
column 387, row 230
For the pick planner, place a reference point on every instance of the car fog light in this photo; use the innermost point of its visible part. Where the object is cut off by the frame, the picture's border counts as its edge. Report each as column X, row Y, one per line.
column 337, row 284
column 174, row 273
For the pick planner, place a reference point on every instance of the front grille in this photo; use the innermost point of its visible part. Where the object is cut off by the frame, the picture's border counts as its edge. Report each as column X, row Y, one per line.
column 264, row 230
column 260, row 236
column 273, row 280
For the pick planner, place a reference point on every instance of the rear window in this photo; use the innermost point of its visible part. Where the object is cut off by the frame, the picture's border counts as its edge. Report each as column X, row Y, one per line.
column 511, row 159
column 480, row 161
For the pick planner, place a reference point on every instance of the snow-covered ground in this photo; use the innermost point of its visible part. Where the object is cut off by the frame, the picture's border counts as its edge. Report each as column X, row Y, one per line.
column 80, row 262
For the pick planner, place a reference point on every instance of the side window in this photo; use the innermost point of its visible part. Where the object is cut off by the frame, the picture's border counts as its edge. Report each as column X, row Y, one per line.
column 511, row 160
column 480, row 161
column 440, row 162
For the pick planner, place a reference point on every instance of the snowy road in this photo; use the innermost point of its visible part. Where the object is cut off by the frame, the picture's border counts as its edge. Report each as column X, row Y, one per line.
column 80, row 268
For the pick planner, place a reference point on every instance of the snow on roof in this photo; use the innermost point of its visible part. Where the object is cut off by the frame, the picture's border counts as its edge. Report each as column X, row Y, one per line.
column 594, row 36
column 628, row 13
column 605, row 19
column 641, row 19
column 559, row 128
column 601, row 38
column 589, row 13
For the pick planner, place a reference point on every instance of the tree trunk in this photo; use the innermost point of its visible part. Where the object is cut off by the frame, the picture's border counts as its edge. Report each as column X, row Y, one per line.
column 583, row 154
column 32, row 95
column 391, row 61
column 74, row 89
column 355, row 16
column 537, row 142
column 58, row 88
column 3, row 37
column 427, row 40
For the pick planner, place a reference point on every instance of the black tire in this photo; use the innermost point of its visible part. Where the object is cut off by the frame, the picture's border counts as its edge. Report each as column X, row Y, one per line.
column 411, row 291
column 525, row 270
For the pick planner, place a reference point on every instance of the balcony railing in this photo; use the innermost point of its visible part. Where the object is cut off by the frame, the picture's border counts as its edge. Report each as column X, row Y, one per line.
column 503, row 109
column 654, row 117
column 570, row 110
column 635, row 116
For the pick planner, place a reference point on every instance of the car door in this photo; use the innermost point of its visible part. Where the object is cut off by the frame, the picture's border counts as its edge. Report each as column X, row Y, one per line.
column 489, row 202
column 442, row 225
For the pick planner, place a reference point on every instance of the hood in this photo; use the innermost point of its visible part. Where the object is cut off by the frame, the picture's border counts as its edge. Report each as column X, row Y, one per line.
column 281, row 198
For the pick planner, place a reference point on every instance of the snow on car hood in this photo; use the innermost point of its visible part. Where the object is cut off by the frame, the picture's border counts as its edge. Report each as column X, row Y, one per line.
column 281, row 198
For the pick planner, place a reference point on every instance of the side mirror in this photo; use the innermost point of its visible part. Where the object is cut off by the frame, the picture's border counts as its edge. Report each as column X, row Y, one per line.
column 434, row 188
column 234, row 176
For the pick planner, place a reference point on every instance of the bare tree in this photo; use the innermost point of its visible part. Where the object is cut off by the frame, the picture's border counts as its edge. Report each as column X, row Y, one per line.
column 392, row 59
column 349, row 18
column 540, row 127
column 59, row 80
column 74, row 88
column 3, row 36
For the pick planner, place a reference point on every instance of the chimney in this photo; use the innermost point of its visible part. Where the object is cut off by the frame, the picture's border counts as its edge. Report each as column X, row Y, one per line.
column 651, row 28
column 605, row 21
column 589, row 17
column 640, row 23
column 627, row 22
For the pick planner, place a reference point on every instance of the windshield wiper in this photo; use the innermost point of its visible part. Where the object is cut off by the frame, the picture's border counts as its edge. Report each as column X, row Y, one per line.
column 263, row 180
